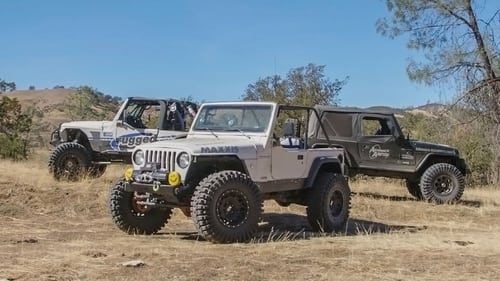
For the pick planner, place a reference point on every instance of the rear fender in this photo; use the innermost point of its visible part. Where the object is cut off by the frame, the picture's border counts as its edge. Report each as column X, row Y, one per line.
column 323, row 164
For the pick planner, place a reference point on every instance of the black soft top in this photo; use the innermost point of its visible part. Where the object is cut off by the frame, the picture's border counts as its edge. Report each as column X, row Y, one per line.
column 322, row 108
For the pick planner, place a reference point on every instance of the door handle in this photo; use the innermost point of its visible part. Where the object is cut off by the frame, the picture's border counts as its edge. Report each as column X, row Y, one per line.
column 300, row 157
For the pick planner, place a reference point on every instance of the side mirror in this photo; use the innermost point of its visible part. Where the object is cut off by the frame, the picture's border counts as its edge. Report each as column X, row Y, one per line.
column 405, row 134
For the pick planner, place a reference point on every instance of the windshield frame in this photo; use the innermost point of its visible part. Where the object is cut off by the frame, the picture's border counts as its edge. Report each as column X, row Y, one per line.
column 243, row 110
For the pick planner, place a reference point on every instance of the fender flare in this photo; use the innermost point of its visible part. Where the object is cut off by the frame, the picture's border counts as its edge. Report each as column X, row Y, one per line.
column 210, row 160
column 81, row 137
column 458, row 162
column 319, row 163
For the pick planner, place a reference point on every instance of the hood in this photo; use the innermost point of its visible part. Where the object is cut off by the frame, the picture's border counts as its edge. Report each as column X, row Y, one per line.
column 433, row 147
column 86, row 124
column 210, row 146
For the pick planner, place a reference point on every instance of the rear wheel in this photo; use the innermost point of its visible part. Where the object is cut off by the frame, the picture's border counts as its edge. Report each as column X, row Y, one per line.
column 226, row 207
column 69, row 161
column 133, row 217
column 442, row 183
column 328, row 203
column 414, row 189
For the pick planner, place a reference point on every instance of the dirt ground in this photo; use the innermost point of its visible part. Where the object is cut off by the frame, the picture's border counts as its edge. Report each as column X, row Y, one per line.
column 62, row 231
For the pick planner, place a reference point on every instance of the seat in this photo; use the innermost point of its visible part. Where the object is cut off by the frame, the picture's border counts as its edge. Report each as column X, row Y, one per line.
column 290, row 139
column 172, row 120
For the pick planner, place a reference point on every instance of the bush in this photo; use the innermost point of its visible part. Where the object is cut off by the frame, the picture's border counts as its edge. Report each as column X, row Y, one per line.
column 449, row 128
column 15, row 127
column 13, row 148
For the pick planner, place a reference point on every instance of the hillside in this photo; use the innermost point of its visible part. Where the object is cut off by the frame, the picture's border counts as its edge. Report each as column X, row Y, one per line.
column 430, row 109
column 49, row 101
column 43, row 98
column 56, row 106
column 53, row 104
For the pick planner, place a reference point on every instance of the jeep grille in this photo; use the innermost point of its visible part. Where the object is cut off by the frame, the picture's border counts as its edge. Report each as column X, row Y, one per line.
column 166, row 159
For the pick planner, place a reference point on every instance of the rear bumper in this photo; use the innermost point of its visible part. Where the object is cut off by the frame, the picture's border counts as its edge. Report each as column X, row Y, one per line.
column 463, row 166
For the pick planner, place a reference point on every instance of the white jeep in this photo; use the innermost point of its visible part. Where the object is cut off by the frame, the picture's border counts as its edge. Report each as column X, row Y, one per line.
column 87, row 147
column 232, row 160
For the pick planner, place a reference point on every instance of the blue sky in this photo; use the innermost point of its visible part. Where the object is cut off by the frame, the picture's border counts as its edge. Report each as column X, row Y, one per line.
column 210, row 50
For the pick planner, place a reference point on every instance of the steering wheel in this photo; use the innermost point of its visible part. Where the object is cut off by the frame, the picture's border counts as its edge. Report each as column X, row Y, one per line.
column 135, row 122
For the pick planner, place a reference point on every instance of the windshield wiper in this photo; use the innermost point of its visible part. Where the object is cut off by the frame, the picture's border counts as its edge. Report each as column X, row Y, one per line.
column 208, row 129
column 236, row 130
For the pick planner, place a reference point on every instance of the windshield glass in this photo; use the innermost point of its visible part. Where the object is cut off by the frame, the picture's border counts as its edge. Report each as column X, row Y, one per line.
column 247, row 118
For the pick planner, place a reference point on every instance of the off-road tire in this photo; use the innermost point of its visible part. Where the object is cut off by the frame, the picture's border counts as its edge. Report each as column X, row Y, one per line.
column 414, row 189
column 329, row 201
column 226, row 207
column 442, row 183
column 69, row 161
column 131, row 221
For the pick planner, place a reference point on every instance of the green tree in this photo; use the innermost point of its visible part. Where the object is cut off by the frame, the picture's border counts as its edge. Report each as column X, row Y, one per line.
column 459, row 42
column 14, row 129
column 305, row 85
column 7, row 86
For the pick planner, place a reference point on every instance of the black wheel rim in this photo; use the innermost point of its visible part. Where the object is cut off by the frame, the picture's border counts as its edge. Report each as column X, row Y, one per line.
column 70, row 166
column 232, row 208
column 443, row 184
column 336, row 204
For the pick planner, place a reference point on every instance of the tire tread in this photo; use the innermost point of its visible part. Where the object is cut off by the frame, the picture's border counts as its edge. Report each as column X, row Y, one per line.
column 427, row 189
column 205, row 195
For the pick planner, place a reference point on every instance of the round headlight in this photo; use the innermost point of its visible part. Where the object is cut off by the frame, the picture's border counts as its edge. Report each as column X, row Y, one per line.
column 183, row 160
column 139, row 157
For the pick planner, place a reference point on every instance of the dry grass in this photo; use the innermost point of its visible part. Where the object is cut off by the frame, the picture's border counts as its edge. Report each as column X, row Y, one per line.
column 41, row 97
column 61, row 231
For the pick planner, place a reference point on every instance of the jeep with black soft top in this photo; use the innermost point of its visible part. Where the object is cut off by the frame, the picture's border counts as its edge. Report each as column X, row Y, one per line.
column 87, row 147
column 376, row 146
column 236, row 155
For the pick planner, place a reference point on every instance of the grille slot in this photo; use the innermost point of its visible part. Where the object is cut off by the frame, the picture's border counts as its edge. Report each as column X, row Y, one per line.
column 166, row 159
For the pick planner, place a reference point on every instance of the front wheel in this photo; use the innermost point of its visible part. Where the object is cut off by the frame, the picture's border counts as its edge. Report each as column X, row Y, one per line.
column 328, row 203
column 133, row 217
column 69, row 161
column 226, row 207
column 442, row 183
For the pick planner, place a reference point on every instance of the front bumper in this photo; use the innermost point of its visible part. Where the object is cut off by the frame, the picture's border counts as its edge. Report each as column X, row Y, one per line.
column 154, row 182
column 55, row 138
column 167, row 192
